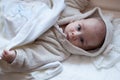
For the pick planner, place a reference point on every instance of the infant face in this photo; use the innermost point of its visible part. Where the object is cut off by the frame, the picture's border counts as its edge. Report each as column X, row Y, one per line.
column 87, row 34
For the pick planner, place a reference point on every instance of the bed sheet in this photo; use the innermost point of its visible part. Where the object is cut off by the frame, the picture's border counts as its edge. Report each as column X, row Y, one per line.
column 81, row 68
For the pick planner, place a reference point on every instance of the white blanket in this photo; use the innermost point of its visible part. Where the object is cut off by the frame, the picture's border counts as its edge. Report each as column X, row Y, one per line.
column 24, row 21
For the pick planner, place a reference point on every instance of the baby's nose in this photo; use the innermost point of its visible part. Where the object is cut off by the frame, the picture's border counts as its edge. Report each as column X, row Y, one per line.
column 74, row 35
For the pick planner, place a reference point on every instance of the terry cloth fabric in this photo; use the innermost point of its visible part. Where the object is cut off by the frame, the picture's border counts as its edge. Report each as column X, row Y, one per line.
column 15, row 32
column 21, row 24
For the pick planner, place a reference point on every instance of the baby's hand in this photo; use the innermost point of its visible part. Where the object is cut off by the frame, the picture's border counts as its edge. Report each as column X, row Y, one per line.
column 8, row 56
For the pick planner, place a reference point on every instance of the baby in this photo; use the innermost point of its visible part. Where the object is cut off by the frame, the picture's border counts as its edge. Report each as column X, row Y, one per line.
column 88, row 34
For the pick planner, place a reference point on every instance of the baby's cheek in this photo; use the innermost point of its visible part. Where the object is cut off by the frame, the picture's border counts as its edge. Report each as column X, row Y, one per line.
column 76, row 43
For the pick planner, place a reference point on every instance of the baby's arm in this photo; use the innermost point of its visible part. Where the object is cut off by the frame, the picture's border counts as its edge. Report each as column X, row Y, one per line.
column 32, row 56
column 8, row 55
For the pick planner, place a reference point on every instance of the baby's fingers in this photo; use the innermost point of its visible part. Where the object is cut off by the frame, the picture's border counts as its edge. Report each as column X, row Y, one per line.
column 5, row 55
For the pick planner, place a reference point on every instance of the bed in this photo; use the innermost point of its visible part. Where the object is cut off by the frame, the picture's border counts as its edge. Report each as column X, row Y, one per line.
column 83, row 67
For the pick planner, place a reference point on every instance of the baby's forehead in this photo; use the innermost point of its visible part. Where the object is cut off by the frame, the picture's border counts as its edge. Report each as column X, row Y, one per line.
column 94, row 19
column 101, row 25
column 98, row 25
column 98, row 22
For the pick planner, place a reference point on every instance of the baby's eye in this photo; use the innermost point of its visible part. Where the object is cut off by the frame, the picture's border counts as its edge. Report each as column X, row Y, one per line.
column 81, row 40
column 79, row 27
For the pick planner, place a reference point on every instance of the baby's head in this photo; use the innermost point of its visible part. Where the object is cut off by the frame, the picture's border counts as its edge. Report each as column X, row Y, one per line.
column 87, row 34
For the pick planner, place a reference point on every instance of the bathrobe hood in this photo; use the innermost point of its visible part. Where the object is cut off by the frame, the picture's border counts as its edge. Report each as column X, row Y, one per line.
column 96, row 12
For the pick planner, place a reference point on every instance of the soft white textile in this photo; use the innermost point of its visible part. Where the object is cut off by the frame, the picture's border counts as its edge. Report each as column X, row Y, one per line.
column 21, row 23
column 113, row 56
column 81, row 68
column 16, row 32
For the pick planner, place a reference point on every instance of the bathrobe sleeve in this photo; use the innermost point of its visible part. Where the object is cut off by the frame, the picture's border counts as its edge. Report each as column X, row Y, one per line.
column 33, row 56
column 44, row 50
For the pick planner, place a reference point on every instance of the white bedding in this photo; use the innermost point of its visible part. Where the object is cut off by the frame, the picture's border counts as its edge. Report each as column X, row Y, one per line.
column 22, row 21
column 81, row 68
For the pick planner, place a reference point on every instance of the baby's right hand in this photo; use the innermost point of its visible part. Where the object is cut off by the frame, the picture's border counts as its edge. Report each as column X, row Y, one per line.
column 8, row 56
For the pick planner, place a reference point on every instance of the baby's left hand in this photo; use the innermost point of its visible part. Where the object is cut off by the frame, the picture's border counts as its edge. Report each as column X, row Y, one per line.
column 8, row 56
